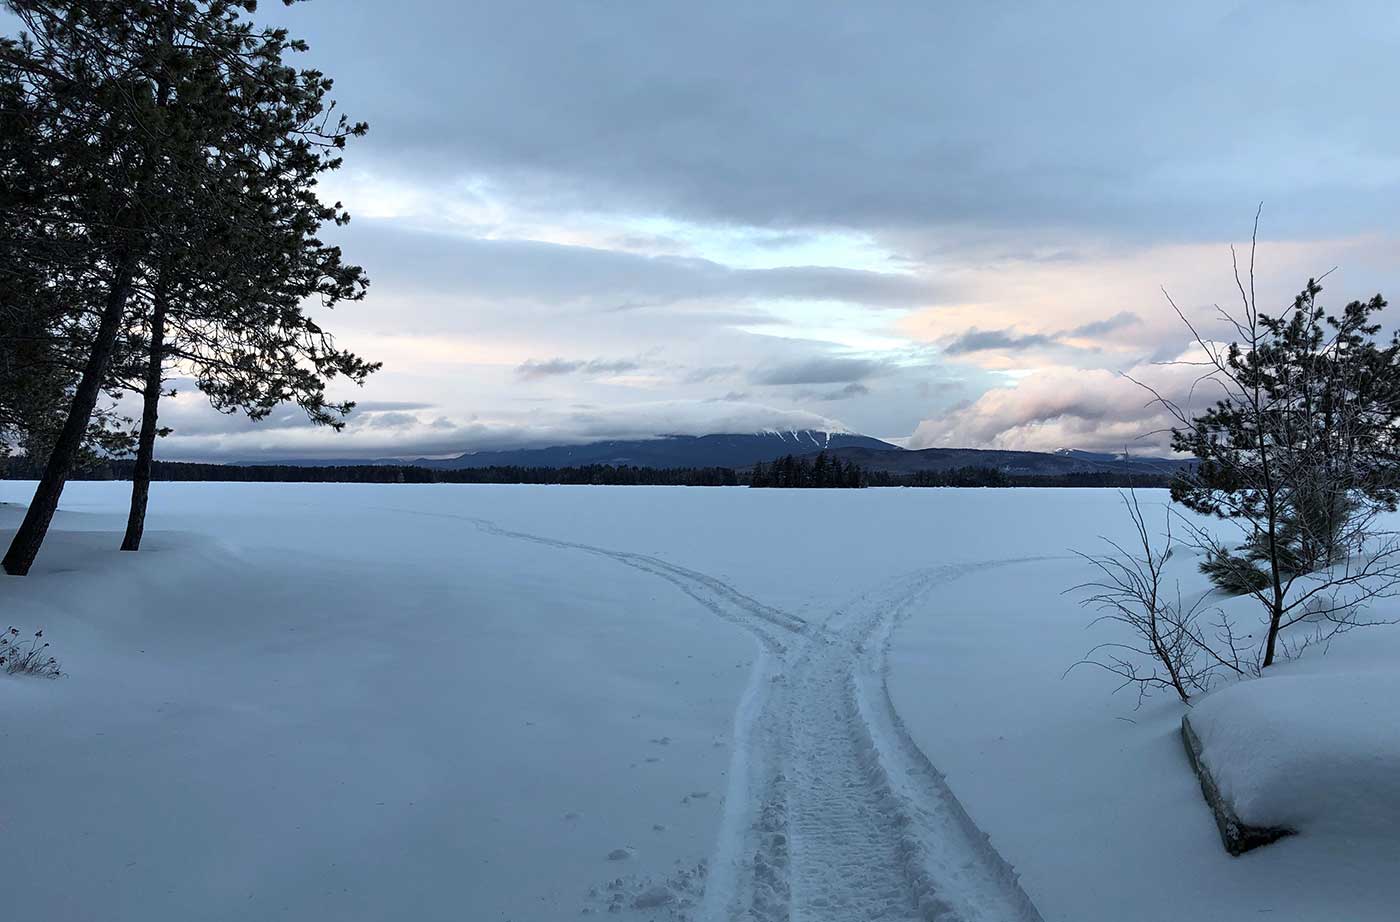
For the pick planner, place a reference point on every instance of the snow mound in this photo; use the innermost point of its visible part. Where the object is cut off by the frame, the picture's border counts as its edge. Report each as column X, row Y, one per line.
column 1317, row 753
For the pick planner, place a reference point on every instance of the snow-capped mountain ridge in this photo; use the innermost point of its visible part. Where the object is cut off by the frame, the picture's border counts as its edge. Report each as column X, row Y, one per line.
column 1063, row 461
column 1095, row 455
column 737, row 450
column 820, row 438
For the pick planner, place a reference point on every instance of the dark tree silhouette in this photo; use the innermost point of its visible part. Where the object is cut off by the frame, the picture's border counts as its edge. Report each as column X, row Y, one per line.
column 1298, row 451
column 822, row 472
column 174, row 152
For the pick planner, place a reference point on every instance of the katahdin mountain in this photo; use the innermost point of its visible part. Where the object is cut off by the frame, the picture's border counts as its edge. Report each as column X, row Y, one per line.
column 743, row 450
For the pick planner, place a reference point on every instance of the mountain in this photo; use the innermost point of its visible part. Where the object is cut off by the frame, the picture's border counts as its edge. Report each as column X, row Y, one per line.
column 1065, row 461
column 721, row 450
column 736, row 450
column 743, row 450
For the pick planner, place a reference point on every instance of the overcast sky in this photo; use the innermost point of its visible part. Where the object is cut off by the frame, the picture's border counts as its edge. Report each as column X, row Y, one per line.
column 937, row 223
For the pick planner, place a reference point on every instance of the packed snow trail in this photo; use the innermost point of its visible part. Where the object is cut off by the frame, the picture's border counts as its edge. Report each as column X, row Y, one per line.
column 858, row 824
column 832, row 813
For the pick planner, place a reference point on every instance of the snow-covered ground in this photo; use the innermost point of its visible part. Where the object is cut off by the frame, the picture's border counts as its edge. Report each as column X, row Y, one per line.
column 525, row 703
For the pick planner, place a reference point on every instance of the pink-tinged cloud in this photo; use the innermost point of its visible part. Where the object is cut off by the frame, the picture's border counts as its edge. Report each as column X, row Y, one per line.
column 1057, row 408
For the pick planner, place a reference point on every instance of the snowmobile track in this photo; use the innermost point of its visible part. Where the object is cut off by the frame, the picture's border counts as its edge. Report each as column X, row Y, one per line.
column 856, row 823
column 833, row 814
column 719, row 597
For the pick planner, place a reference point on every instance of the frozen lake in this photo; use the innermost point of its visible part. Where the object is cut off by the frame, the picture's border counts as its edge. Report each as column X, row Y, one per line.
column 529, row 702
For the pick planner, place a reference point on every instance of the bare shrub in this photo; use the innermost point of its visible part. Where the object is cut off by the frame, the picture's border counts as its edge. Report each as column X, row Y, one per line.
column 1169, row 648
column 28, row 656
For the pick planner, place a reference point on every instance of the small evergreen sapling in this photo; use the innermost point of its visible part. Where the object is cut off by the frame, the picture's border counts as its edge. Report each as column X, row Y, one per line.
column 1298, row 452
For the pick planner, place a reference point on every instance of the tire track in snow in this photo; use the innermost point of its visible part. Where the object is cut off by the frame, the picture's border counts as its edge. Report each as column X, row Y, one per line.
column 832, row 813
column 859, row 824
column 948, row 863
column 719, row 597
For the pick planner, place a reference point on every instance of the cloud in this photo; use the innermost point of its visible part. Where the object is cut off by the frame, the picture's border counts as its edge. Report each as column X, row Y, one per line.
column 975, row 340
column 1108, row 325
column 495, row 269
column 843, row 393
column 715, row 198
column 408, row 434
column 709, row 373
column 534, row 370
column 759, row 114
column 376, row 406
column 821, row 370
column 1090, row 409
column 1008, row 340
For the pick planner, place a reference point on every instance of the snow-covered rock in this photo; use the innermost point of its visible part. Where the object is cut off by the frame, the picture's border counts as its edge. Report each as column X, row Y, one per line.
column 1313, row 746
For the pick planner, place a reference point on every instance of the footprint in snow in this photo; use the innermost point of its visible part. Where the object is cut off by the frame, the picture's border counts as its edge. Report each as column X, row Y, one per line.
column 654, row 898
column 620, row 854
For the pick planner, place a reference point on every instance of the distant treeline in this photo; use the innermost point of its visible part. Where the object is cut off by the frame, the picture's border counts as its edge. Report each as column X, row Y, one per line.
column 601, row 474
column 821, row 473
column 991, row 477
column 827, row 473
column 788, row 472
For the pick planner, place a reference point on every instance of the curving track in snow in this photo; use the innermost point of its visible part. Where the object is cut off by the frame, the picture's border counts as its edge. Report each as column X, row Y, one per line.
column 769, row 624
column 832, row 813
column 856, row 823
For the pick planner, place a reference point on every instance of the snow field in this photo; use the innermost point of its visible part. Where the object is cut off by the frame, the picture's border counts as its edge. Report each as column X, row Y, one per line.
column 408, row 726
column 529, row 703
column 1092, row 799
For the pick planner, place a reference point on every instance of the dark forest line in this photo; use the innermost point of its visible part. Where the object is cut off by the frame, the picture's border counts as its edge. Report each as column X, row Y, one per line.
column 602, row 474
column 785, row 473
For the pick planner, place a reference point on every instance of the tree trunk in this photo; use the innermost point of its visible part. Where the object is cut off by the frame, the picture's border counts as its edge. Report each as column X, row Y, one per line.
column 1276, row 608
column 146, row 447
column 25, row 546
column 1271, row 510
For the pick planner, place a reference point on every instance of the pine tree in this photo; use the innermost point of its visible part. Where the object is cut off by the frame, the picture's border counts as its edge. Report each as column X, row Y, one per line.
column 60, row 226
column 91, row 133
column 151, row 129
column 1299, row 453
column 229, row 283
